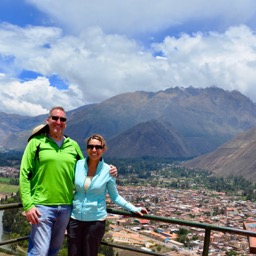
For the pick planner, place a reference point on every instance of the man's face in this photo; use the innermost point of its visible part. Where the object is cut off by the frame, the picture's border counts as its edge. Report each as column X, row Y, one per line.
column 57, row 121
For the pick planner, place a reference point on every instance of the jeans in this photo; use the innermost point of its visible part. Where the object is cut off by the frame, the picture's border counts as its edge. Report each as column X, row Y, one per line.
column 84, row 237
column 46, row 238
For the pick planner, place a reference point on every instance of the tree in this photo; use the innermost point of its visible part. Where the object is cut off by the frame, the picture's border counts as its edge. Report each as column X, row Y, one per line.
column 106, row 250
column 231, row 253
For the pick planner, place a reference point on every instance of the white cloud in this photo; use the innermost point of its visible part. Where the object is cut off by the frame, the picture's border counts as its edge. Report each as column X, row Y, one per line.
column 225, row 60
column 35, row 97
column 98, row 60
column 100, row 65
column 134, row 17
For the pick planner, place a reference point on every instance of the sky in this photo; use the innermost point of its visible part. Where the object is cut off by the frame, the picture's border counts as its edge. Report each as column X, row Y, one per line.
column 74, row 53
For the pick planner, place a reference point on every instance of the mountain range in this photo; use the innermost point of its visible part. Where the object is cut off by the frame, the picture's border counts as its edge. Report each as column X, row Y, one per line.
column 173, row 123
column 234, row 158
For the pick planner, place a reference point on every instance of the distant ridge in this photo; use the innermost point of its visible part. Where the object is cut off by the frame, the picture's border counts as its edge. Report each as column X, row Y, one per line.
column 235, row 158
column 174, row 123
column 151, row 139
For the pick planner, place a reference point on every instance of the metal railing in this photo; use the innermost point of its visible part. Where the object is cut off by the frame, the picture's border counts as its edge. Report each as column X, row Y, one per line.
column 207, row 227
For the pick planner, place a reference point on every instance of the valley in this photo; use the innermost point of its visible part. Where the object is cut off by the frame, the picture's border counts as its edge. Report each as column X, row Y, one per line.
column 172, row 191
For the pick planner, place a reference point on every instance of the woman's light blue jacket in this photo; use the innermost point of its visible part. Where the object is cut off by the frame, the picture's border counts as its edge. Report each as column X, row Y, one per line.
column 90, row 205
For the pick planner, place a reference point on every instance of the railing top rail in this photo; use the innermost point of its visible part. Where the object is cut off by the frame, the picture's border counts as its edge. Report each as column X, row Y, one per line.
column 163, row 219
column 10, row 206
column 186, row 223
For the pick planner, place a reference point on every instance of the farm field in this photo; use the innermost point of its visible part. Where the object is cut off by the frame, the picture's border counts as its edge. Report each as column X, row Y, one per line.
column 6, row 188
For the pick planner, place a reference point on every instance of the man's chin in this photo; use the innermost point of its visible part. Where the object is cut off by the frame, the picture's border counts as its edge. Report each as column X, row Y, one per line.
column 58, row 131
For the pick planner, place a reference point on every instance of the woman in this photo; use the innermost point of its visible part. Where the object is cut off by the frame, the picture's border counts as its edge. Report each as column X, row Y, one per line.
column 92, row 180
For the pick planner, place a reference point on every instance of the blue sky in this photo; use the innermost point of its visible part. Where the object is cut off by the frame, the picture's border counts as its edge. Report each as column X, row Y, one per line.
column 73, row 53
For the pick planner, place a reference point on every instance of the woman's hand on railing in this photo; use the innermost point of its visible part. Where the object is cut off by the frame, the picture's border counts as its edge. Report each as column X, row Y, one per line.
column 142, row 211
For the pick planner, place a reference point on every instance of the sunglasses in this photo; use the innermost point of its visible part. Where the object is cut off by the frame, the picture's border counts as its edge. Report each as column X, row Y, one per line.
column 56, row 118
column 97, row 147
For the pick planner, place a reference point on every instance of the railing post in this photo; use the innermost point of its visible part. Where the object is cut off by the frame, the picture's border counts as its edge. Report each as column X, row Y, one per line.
column 207, row 238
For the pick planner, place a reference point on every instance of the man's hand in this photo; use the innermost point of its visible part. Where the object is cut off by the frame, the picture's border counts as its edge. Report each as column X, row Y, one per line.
column 32, row 215
column 113, row 170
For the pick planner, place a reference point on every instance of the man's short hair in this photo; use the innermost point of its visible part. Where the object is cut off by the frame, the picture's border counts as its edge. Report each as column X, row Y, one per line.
column 57, row 107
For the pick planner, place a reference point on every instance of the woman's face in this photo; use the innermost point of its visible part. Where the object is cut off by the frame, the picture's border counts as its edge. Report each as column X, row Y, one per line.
column 95, row 150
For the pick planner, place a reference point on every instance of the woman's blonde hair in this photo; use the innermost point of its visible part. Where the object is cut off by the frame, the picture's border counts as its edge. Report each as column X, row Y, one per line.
column 97, row 137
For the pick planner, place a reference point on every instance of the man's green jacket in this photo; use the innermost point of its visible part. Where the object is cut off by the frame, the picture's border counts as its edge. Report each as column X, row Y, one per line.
column 47, row 172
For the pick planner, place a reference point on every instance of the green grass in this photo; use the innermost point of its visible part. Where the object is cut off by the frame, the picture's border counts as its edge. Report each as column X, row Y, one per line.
column 4, row 180
column 7, row 188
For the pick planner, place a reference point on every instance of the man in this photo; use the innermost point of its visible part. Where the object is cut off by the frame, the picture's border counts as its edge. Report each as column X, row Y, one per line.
column 46, row 183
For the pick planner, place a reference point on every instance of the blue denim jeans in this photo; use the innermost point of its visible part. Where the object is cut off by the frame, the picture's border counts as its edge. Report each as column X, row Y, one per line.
column 46, row 238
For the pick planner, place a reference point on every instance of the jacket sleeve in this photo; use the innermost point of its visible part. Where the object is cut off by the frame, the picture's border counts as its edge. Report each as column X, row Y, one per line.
column 78, row 150
column 26, row 168
column 117, row 199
